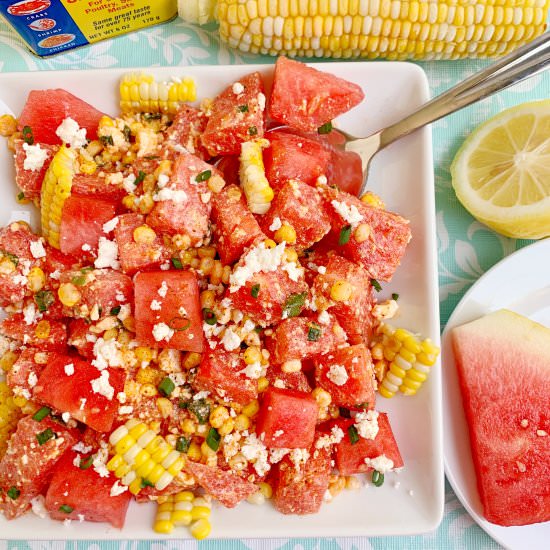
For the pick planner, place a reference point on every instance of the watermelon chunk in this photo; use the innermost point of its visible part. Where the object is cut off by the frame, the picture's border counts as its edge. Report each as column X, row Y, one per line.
column 45, row 110
column 306, row 98
column 94, row 185
column 185, row 131
column 504, row 373
column 226, row 487
column 75, row 493
column 87, row 394
column 27, row 465
column 30, row 181
column 24, row 373
column 16, row 328
column 288, row 380
column 287, row 418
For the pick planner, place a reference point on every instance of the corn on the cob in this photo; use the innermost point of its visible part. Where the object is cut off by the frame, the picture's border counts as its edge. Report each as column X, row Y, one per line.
column 140, row 93
column 10, row 413
column 183, row 509
column 408, row 361
column 141, row 456
column 394, row 29
column 56, row 188
column 252, row 176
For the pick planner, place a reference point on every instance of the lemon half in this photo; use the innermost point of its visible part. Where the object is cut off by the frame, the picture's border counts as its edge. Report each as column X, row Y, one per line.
column 501, row 173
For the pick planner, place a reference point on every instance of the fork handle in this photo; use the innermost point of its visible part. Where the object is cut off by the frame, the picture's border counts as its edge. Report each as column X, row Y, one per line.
column 515, row 67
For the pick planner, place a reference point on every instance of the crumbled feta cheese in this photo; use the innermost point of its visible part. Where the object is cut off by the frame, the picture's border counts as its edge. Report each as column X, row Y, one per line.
column 129, row 183
column 348, row 213
column 254, row 371
column 102, row 386
column 107, row 354
column 69, row 369
column 299, row 457
column 30, row 313
column 367, row 424
column 92, row 338
column 542, row 433
column 100, row 460
column 277, row 454
column 55, row 275
column 162, row 291
column 67, row 522
column 521, row 466
column 261, row 101
column 256, row 452
column 38, row 507
column 126, row 409
column 32, row 379
column 107, row 254
column 336, row 435
column 182, row 311
column 65, row 417
column 257, row 259
column 169, row 194
column 125, row 311
column 237, row 88
column 201, row 395
column 338, row 375
column 230, row 340
column 71, row 134
column 161, row 331
column 35, row 157
column 294, row 271
column 162, row 180
column 248, row 326
column 117, row 489
column 156, row 305
column 115, row 178
column 385, row 310
column 322, row 180
column 86, row 247
column 324, row 318
column 524, row 423
column 205, row 197
column 110, row 225
column 37, row 249
column 277, row 224
column 381, row 463
column 80, row 447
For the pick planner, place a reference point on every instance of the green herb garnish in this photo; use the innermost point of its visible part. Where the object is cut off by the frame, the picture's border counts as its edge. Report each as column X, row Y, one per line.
column 314, row 332
column 127, row 132
column 152, row 116
column 41, row 413
column 146, row 483
column 243, row 108
column 179, row 324
column 293, row 305
column 353, row 434
column 13, row 493
column 176, row 262
column 213, row 439
column 325, row 128
column 345, row 234
column 203, row 176
column 209, row 316
column 12, row 257
column 166, row 387
column 182, row 444
column 27, row 135
column 45, row 436
column 106, row 140
column 377, row 478
column 140, row 177
column 254, row 291
column 115, row 310
column 44, row 299
column 66, row 508
column 252, row 131
column 85, row 463
column 20, row 196
column 79, row 280
column 200, row 408
column 395, row 296
column 376, row 285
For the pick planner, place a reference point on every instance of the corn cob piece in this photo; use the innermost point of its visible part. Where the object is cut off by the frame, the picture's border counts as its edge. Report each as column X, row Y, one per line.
column 200, row 11
column 143, row 457
column 10, row 413
column 141, row 93
column 56, row 188
column 252, row 176
column 393, row 29
column 407, row 359
column 183, row 509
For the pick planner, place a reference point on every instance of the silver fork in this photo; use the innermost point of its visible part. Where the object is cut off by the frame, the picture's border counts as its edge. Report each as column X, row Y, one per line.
column 511, row 69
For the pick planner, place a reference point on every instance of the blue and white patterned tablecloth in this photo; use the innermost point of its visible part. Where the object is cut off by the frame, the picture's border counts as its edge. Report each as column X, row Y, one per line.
column 466, row 248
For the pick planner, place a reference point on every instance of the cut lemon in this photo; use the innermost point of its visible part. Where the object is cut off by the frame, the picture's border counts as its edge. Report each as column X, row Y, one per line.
column 501, row 174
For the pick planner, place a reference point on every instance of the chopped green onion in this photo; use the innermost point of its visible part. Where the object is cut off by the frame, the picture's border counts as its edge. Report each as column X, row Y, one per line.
column 203, row 176
column 209, row 316
column 106, row 140
column 146, row 483
column 255, row 290
column 20, row 196
column 395, row 296
column 314, row 332
column 166, row 387
column 140, row 177
column 86, row 463
column 115, row 310
column 293, row 305
column 79, row 280
column 152, row 116
column 377, row 478
column 345, row 234
column 325, row 128
column 66, row 508
column 13, row 493
column 200, row 408
column 376, row 285
column 44, row 299
column 176, row 262
column 252, row 131
column 127, row 132
column 179, row 324
column 353, row 434
column 45, row 436
column 243, row 108
column 213, row 439
column 364, row 405
column 182, row 444
column 41, row 413
column 12, row 257
column 27, row 135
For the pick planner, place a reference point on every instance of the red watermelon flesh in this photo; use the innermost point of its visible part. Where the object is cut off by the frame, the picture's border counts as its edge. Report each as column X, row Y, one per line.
column 503, row 365
column 45, row 110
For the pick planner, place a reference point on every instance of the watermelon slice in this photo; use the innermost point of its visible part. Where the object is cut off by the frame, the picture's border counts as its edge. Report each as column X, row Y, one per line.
column 45, row 110
column 503, row 363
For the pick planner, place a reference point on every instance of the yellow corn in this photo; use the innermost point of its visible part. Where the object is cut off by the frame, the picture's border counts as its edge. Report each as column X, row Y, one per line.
column 10, row 413
column 285, row 233
column 141, row 93
column 252, row 176
column 56, row 188
column 394, row 29
column 341, row 291
column 141, row 456
column 183, row 509
column 409, row 360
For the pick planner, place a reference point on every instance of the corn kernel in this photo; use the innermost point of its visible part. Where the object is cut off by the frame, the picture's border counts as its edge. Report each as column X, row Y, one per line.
column 290, row 255
column 164, row 527
column 251, row 409
column 362, row 232
column 8, row 125
column 206, row 450
column 285, row 233
column 188, row 426
column 215, row 183
column 42, row 329
column 144, row 235
column 227, row 427
column 149, row 390
column 269, row 243
column 200, row 529
column 252, row 355
column 194, row 451
column 36, row 279
column 373, row 200
column 263, row 384
column 341, row 291
column 265, row 489
column 208, row 298
column 144, row 354
column 218, row 416
column 322, row 397
column 19, row 401
column 68, row 294
column 294, row 365
column 165, row 407
column 129, row 323
column 199, row 512
column 242, row 422
column 7, row 360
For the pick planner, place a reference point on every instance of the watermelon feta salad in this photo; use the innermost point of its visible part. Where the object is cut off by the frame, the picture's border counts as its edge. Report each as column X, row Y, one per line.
column 198, row 317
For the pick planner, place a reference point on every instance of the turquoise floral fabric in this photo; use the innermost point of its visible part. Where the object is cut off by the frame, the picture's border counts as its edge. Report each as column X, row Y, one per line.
column 466, row 248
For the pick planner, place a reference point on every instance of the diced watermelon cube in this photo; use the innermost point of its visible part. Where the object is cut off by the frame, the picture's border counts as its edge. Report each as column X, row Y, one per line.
column 45, row 110
column 94, row 185
column 348, row 375
column 301, row 338
column 186, row 128
column 81, row 338
column 30, row 181
column 53, row 338
column 82, row 220
column 221, row 373
column 299, row 489
column 56, row 262
column 300, row 206
column 229, row 166
column 380, row 254
column 238, row 114
column 292, row 157
column 88, row 394
column 101, row 290
column 136, row 256
column 287, row 418
column 183, row 205
column 235, row 228
column 355, row 314
column 345, row 170
column 306, row 98
column 350, row 457
column 167, row 310
column 287, row 380
column 226, row 487
column 23, row 375
column 28, row 462
column 76, row 493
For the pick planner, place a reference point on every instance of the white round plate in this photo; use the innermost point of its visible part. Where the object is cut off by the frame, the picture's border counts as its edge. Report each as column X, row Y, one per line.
column 521, row 283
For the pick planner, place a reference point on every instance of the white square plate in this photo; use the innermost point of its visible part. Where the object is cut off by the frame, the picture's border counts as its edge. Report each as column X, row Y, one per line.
column 410, row 502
